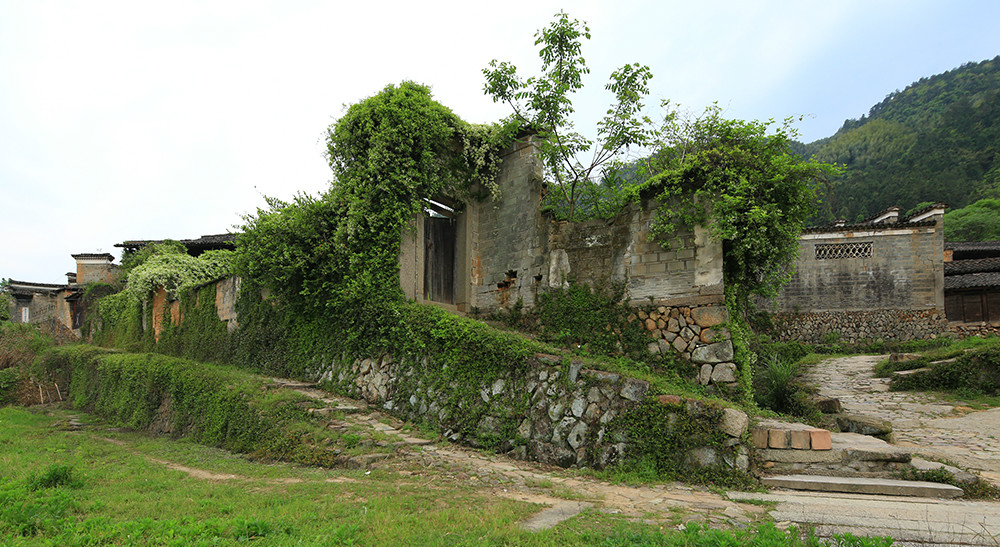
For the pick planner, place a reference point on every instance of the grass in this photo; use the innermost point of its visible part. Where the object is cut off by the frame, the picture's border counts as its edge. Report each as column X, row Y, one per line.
column 98, row 486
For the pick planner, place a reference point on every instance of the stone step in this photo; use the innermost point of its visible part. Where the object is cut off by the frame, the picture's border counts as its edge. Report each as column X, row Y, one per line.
column 849, row 454
column 863, row 485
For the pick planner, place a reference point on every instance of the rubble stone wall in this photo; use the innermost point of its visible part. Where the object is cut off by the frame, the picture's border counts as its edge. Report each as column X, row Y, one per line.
column 550, row 410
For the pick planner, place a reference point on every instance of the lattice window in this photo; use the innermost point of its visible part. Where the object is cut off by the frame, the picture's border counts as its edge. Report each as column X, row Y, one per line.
column 861, row 249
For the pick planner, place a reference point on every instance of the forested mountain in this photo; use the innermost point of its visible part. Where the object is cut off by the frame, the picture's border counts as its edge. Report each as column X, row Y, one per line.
column 936, row 140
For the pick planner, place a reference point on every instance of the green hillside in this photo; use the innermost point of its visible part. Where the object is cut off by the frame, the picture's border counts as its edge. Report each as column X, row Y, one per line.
column 936, row 140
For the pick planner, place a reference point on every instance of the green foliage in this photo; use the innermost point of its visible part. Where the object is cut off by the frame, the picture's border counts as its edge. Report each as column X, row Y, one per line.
column 336, row 255
column 6, row 301
column 212, row 405
column 177, row 273
column 54, row 476
column 201, row 335
column 977, row 371
column 597, row 319
column 936, row 140
column 544, row 104
column 661, row 438
column 167, row 266
column 20, row 343
column 10, row 378
column 133, row 259
column 739, row 181
column 979, row 221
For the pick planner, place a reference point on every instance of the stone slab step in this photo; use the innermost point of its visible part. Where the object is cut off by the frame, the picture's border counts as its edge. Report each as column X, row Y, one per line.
column 860, row 485
column 845, row 448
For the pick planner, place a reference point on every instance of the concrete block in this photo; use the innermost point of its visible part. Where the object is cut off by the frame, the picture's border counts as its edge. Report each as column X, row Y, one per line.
column 861, row 485
column 819, row 439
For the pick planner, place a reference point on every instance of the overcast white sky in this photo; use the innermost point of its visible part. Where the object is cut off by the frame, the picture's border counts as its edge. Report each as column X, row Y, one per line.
column 142, row 120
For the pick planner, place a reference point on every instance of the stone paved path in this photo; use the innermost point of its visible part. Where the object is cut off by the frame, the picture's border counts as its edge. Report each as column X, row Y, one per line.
column 934, row 428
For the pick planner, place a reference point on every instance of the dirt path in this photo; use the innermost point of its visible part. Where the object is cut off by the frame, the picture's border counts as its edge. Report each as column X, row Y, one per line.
column 934, row 428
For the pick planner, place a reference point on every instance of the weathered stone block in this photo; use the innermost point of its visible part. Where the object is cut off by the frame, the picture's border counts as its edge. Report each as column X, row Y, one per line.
column 713, row 353
column 709, row 316
column 634, row 390
column 865, row 425
column 759, row 437
column 734, row 422
column 710, row 336
column 705, row 374
column 679, row 344
column 723, row 373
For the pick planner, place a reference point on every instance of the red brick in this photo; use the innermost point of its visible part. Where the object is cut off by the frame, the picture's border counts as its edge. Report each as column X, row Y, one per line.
column 820, row 439
column 800, row 439
column 777, row 438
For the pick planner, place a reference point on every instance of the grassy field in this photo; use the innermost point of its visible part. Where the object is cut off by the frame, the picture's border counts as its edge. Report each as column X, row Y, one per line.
column 68, row 480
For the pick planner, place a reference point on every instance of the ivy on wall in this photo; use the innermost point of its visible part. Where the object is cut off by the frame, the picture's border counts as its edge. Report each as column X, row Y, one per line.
column 334, row 258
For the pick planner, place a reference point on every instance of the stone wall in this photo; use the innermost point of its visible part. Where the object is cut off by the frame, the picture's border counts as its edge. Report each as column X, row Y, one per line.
column 964, row 330
column 904, row 269
column 860, row 326
column 507, row 250
column 697, row 334
column 550, row 411
column 688, row 273
column 879, row 279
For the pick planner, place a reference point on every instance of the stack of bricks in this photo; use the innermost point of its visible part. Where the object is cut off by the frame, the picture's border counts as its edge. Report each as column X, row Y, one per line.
column 788, row 436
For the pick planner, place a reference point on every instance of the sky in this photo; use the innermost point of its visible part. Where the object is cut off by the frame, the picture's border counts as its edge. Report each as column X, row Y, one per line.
column 128, row 120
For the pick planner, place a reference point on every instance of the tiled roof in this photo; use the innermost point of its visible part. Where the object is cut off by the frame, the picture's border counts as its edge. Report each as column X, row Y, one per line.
column 938, row 205
column 972, row 245
column 976, row 265
column 217, row 241
column 972, row 280
column 107, row 256
column 28, row 288
column 867, row 226
column 869, row 223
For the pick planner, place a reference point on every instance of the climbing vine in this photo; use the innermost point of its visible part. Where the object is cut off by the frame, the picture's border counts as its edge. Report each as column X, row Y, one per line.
column 335, row 257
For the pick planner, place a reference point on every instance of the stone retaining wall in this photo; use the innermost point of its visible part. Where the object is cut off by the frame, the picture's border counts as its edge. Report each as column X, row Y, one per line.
column 549, row 410
column 964, row 330
column 860, row 326
column 698, row 334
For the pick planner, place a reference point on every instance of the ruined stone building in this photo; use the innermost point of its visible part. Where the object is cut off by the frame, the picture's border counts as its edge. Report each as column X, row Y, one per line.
column 56, row 307
column 494, row 253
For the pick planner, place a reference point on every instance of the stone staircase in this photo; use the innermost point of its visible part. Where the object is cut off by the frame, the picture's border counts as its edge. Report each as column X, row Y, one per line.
column 800, row 457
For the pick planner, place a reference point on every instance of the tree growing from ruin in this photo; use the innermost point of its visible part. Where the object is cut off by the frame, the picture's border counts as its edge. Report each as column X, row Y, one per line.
column 544, row 104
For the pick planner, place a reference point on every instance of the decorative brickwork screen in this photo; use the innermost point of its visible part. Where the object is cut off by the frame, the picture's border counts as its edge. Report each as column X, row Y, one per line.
column 861, row 249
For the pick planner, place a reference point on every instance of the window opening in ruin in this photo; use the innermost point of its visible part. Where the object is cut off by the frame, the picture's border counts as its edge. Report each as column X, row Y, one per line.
column 440, row 243
column 827, row 251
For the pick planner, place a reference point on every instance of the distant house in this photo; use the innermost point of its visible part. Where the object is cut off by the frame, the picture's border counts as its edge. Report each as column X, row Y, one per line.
column 194, row 246
column 56, row 307
column 881, row 278
column 972, row 281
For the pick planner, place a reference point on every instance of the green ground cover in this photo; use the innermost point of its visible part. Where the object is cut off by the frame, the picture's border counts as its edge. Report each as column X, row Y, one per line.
column 97, row 485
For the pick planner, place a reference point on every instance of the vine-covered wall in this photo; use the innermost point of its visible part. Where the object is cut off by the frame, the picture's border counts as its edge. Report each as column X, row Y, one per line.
column 548, row 410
